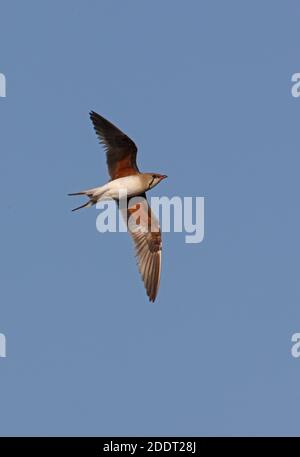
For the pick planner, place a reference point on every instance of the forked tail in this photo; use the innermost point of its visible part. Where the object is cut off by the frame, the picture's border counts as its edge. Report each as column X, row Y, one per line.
column 93, row 196
column 89, row 194
column 85, row 205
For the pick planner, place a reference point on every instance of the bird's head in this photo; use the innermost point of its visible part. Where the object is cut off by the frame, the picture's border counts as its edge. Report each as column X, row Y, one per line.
column 154, row 178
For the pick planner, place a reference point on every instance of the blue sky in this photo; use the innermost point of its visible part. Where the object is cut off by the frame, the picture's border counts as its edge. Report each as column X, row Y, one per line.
column 203, row 88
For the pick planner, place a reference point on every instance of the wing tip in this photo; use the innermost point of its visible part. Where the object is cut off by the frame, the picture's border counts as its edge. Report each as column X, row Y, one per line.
column 93, row 114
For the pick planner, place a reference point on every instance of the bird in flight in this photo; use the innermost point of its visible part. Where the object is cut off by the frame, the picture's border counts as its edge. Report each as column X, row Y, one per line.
column 125, row 176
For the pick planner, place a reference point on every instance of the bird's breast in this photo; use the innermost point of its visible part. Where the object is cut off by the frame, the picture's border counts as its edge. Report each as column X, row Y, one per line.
column 132, row 185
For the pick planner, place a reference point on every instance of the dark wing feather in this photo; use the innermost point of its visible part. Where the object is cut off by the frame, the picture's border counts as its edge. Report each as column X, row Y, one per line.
column 146, row 235
column 120, row 149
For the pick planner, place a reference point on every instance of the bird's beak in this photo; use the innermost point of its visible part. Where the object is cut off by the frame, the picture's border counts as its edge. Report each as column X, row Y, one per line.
column 163, row 177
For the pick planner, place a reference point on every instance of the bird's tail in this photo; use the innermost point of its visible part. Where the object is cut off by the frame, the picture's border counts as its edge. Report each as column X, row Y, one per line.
column 78, row 193
column 90, row 202
column 92, row 194
column 85, row 205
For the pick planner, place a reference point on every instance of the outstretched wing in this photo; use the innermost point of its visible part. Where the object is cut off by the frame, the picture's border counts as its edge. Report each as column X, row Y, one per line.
column 120, row 149
column 145, row 231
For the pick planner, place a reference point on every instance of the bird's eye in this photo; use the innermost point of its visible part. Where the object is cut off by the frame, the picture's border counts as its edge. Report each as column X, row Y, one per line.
column 153, row 176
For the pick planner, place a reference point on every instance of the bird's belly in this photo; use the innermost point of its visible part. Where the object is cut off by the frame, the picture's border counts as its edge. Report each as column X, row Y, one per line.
column 131, row 185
